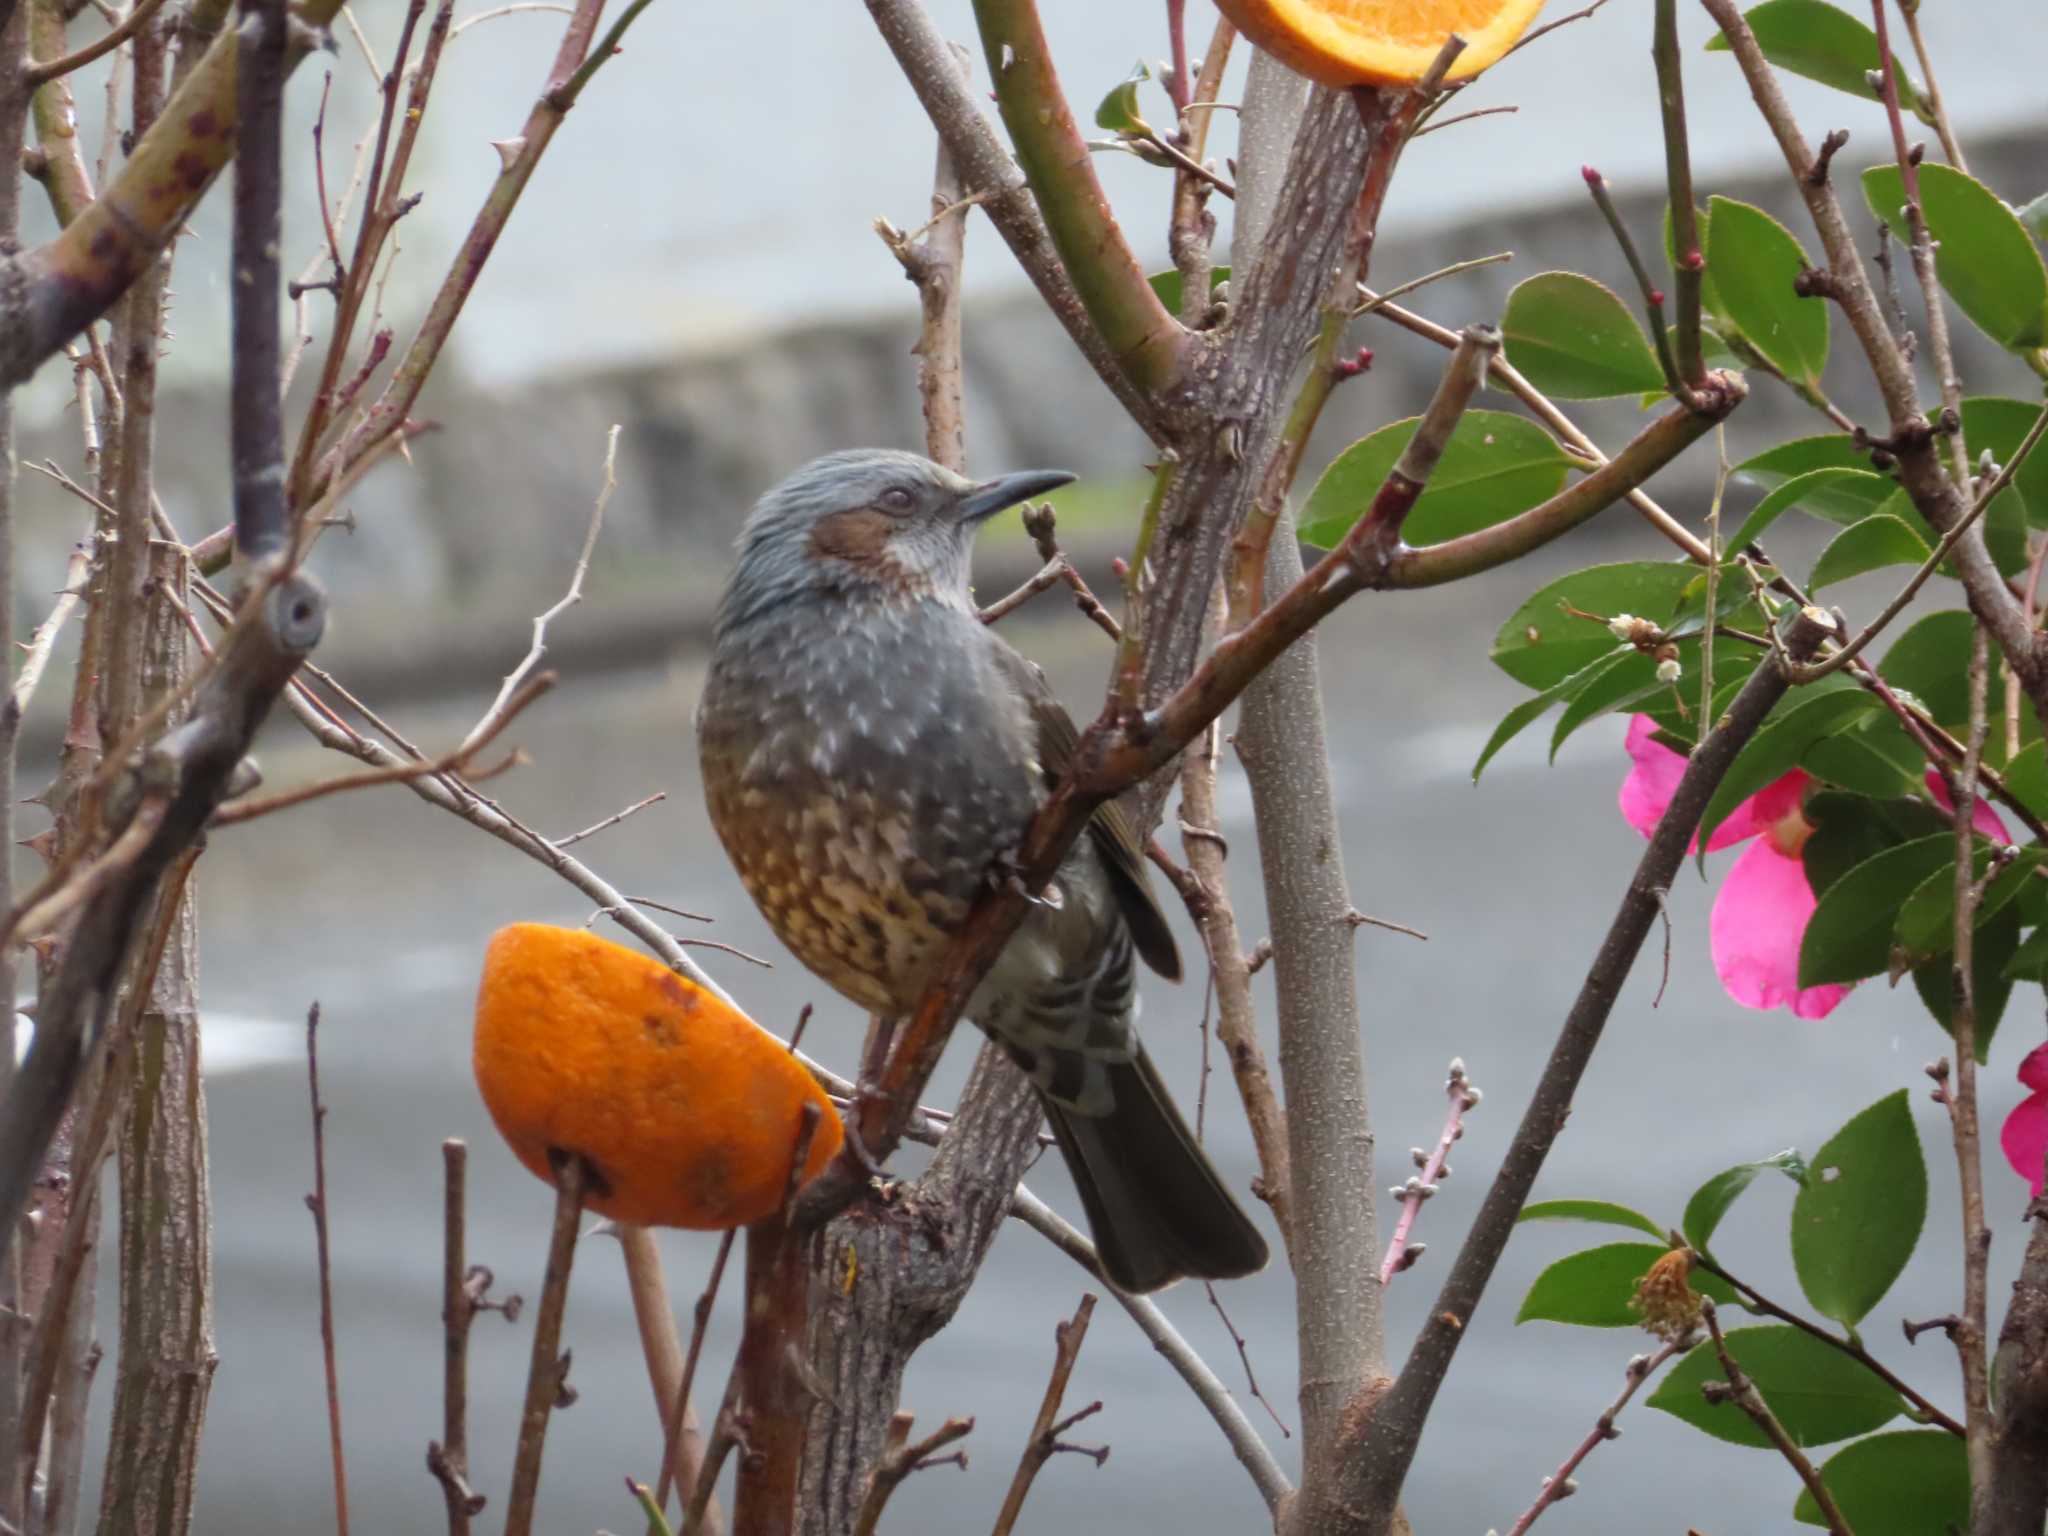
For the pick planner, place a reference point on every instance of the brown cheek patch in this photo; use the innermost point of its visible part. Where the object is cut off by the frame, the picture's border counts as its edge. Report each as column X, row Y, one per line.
column 861, row 535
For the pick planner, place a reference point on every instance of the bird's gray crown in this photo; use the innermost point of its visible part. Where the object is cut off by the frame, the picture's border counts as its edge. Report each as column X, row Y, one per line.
column 917, row 543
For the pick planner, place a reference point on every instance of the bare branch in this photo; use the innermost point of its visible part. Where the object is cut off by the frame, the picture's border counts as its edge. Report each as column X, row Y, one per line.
column 1434, row 1169
column 448, row 1457
column 668, row 1370
column 547, row 1377
column 1560, row 1483
column 900, row 1458
column 316, row 1202
column 1741, row 1391
column 1039, row 1449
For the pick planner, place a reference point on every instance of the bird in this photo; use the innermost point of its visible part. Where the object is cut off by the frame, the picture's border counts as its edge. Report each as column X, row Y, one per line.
column 871, row 756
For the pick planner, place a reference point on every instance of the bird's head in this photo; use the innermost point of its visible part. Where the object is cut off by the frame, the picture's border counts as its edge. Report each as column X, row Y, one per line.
column 869, row 523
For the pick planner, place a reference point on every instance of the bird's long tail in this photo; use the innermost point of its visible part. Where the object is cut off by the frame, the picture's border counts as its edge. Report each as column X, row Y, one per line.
column 1157, row 1208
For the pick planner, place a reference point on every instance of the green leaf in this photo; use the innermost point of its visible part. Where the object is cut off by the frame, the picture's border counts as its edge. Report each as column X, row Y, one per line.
column 1494, row 465
column 1998, row 424
column 2026, row 775
column 2030, row 961
column 1817, row 711
column 1877, row 759
column 1119, row 110
column 1591, row 1210
column 1849, row 935
column 1542, row 644
column 1594, row 1289
column 1817, row 1393
column 1167, row 285
column 1822, row 43
column 2035, row 217
column 1931, row 661
column 1878, row 541
column 1992, row 948
column 1847, row 829
column 1837, row 495
column 1906, row 1482
column 1517, row 719
column 1574, row 339
column 1926, row 924
column 1801, row 455
column 1983, row 255
column 1710, row 1202
column 1755, row 261
column 1858, row 1215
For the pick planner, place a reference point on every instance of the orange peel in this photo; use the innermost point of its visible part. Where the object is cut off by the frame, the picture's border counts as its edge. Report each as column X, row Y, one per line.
column 1380, row 42
column 686, row 1111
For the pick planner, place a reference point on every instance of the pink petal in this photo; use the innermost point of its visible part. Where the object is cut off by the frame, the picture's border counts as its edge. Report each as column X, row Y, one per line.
column 1758, row 920
column 2034, row 1070
column 2024, row 1136
column 1983, row 818
column 1654, row 780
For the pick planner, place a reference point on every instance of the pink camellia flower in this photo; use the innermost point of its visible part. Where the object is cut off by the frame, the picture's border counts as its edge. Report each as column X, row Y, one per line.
column 2025, row 1133
column 1761, row 912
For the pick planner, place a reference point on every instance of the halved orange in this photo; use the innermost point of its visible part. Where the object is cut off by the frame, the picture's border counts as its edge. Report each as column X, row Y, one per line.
column 1380, row 42
column 685, row 1109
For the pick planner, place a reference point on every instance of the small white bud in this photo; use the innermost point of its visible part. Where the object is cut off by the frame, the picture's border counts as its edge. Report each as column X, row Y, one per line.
column 1420, row 1157
column 1622, row 626
column 1457, row 1068
column 1669, row 671
column 1472, row 1097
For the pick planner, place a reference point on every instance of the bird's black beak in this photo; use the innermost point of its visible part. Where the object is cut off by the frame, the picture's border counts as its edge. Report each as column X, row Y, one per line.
column 992, row 496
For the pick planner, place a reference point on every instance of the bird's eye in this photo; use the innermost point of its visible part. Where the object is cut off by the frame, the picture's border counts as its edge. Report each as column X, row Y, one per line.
column 895, row 499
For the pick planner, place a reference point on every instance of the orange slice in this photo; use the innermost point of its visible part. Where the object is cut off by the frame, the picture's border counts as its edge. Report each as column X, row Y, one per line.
column 686, row 1110
column 1380, row 42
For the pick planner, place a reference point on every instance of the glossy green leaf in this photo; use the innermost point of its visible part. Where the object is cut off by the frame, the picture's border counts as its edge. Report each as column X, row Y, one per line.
column 1801, row 455
column 1876, row 542
column 1575, row 339
column 1877, row 759
column 1755, row 261
column 2030, row 961
column 1996, row 424
column 1167, row 285
column 1858, row 1215
column 1634, row 687
column 1992, row 948
column 1542, row 644
column 1776, row 748
column 1807, row 37
column 1595, row 1289
column 1986, row 260
column 1494, row 465
column 1817, row 1393
column 1931, row 661
column 1905, row 1482
column 2035, row 216
column 1711, row 1201
column 1119, row 109
column 1518, row 719
column 1835, row 494
column 1848, row 829
column 1849, row 935
column 1926, row 924
column 2026, row 775
column 1591, row 1210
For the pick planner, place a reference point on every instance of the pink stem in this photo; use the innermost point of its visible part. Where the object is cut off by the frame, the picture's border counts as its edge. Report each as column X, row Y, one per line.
column 1463, row 1096
column 1559, row 1484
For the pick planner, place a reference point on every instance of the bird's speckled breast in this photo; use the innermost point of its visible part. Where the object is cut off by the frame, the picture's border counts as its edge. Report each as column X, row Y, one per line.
column 860, row 780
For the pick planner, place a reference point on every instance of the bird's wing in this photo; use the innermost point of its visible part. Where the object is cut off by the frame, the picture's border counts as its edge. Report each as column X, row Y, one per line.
column 1109, row 828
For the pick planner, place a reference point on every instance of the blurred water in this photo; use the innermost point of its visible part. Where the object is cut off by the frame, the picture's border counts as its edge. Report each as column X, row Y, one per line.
column 378, row 906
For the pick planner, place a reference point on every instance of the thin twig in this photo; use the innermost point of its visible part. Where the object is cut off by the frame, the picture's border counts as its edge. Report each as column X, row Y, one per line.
column 900, row 1458
column 41, row 74
column 1463, row 1096
column 448, row 1457
column 1244, row 1358
column 1741, row 1391
column 673, row 1432
column 1044, row 1441
column 44, row 640
column 612, row 821
column 1560, row 1483
column 316, row 1202
column 609, row 483
column 547, row 1377
column 1238, row 1431
column 1755, row 1301
column 668, row 1369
